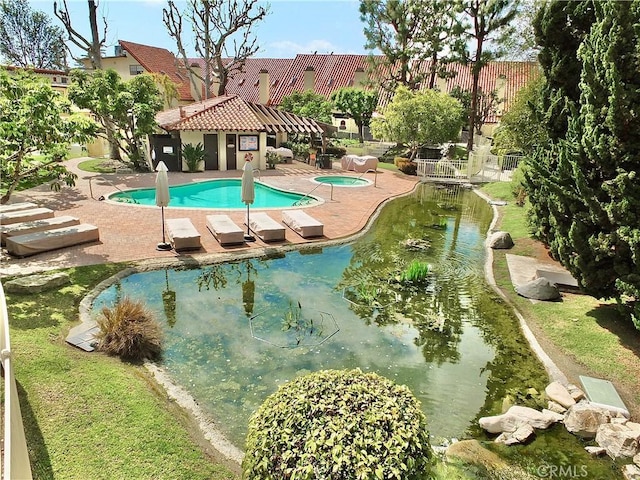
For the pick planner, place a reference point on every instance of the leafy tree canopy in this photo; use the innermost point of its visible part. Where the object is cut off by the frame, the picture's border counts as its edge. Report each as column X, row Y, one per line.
column 520, row 127
column 359, row 104
column 36, row 128
column 131, row 106
column 418, row 118
column 308, row 104
column 27, row 38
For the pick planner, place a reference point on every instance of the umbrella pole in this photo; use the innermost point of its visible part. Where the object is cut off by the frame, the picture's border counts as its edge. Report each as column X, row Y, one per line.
column 248, row 237
column 164, row 245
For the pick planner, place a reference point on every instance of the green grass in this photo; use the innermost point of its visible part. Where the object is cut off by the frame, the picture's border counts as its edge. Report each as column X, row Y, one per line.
column 96, row 165
column 88, row 415
column 590, row 332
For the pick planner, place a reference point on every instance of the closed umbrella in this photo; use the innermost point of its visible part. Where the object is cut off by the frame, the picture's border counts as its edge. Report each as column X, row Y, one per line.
column 162, row 198
column 248, row 193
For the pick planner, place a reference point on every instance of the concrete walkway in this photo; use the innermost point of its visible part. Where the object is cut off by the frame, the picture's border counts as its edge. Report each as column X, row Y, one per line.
column 131, row 232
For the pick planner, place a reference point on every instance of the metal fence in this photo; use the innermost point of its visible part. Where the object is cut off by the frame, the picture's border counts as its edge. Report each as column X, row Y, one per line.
column 481, row 167
column 16, row 456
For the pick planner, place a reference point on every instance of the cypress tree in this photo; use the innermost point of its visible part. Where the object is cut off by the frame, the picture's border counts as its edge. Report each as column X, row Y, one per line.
column 594, row 196
column 560, row 28
column 606, row 237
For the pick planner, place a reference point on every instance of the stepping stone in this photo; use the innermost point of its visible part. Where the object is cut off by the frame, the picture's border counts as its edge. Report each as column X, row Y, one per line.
column 85, row 340
column 561, row 279
column 603, row 394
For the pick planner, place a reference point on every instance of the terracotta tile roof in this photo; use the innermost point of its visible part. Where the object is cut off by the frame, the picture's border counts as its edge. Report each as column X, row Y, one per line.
column 246, row 83
column 160, row 60
column 232, row 113
column 331, row 72
column 514, row 75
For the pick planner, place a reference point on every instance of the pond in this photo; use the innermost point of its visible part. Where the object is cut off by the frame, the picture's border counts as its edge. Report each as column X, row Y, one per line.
column 236, row 331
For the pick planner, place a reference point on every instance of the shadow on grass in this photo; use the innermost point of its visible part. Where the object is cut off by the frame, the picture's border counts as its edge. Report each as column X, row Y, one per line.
column 38, row 453
column 610, row 318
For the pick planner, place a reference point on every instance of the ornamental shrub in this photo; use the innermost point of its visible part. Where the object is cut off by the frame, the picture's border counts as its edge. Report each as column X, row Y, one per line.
column 338, row 424
column 129, row 330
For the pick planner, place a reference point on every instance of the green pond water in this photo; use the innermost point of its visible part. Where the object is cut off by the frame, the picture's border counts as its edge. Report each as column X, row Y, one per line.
column 236, row 331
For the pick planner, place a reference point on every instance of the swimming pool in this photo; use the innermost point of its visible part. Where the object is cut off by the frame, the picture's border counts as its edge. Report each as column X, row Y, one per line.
column 219, row 193
column 343, row 181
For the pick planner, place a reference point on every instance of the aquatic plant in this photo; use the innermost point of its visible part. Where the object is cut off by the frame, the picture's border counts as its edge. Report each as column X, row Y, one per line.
column 301, row 327
column 129, row 330
column 417, row 271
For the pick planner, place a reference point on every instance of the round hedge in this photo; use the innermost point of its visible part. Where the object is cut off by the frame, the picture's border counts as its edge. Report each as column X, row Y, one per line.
column 337, row 424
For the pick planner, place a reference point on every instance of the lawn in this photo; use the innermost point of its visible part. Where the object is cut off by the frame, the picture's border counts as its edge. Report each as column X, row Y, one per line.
column 88, row 415
column 584, row 335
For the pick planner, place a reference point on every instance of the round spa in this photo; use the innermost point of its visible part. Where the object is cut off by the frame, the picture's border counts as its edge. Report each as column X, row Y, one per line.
column 342, row 181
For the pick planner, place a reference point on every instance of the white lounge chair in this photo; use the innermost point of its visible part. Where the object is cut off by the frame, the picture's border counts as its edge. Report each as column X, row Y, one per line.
column 224, row 229
column 359, row 164
column 265, row 227
column 183, row 234
column 38, row 242
column 302, row 223
column 33, row 226
column 13, row 207
column 25, row 215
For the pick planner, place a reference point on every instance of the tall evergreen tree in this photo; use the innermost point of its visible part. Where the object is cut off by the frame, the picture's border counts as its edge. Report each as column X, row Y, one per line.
column 595, row 228
column 560, row 28
column 410, row 33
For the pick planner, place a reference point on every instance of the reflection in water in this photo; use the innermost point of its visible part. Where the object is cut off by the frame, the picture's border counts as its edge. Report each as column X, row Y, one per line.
column 440, row 335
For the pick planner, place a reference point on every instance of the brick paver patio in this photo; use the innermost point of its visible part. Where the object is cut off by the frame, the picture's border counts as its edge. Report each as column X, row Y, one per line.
column 130, row 232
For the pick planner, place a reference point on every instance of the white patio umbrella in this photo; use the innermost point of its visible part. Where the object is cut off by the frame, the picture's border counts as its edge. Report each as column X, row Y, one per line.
column 162, row 198
column 248, row 194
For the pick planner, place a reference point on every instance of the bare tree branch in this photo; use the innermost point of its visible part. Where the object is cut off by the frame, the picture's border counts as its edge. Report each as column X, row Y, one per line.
column 223, row 36
column 93, row 47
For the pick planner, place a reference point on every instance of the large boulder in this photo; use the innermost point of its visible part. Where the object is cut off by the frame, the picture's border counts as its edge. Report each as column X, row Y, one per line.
column 500, row 240
column 521, row 435
column 619, row 440
column 559, row 394
column 37, row 283
column 514, row 418
column 583, row 419
column 539, row 289
column 631, row 472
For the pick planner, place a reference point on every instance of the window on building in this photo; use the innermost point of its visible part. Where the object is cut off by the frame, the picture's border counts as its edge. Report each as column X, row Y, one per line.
column 135, row 69
column 64, row 80
column 343, row 125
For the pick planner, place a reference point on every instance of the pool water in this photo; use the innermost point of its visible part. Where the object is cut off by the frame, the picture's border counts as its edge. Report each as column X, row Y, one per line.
column 219, row 194
column 343, row 181
column 230, row 341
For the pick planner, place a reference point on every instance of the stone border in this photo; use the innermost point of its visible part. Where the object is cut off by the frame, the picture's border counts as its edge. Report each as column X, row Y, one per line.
column 552, row 369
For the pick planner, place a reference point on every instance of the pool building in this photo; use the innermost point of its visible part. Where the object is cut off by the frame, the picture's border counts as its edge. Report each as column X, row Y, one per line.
column 231, row 130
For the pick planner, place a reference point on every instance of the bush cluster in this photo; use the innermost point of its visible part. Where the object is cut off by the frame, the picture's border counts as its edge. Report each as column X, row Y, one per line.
column 337, row 424
column 129, row 330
